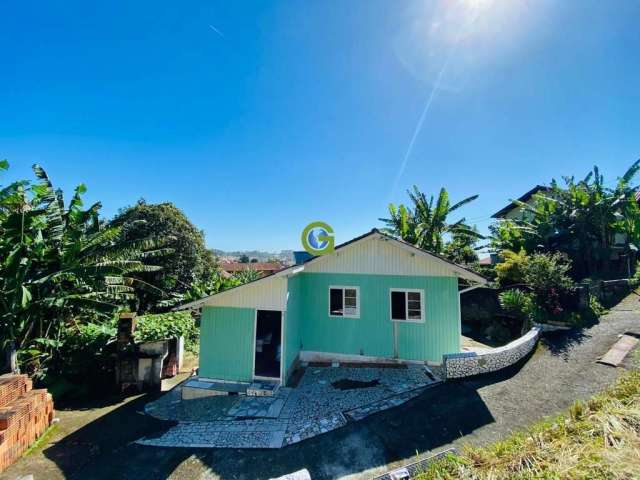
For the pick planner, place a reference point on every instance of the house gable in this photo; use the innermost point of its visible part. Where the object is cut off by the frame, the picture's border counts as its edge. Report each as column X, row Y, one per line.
column 371, row 254
column 379, row 254
column 267, row 294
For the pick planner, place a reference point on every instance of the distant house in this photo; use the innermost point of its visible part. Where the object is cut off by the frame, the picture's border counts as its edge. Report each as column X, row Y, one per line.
column 373, row 299
column 515, row 211
column 263, row 268
column 490, row 260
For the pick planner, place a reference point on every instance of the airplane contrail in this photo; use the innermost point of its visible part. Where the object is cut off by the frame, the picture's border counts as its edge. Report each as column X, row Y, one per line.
column 436, row 87
column 418, row 128
column 216, row 30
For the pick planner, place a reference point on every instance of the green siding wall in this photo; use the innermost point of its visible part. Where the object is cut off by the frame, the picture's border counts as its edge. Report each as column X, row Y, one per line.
column 226, row 343
column 293, row 322
column 372, row 333
column 227, row 333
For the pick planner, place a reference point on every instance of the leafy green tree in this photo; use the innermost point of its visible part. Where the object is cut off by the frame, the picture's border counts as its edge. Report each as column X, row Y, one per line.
column 191, row 262
column 426, row 224
column 583, row 219
column 244, row 259
column 216, row 283
column 246, row 276
column 58, row 262
column 462, row 249
column 203, row 288
column 508, row 235
column 511, row 270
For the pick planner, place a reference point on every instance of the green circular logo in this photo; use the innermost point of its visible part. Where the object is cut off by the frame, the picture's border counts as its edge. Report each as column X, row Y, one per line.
column 317, row 238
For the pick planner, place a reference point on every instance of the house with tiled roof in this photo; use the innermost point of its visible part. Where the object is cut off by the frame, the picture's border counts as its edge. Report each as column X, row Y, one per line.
column 263, row 268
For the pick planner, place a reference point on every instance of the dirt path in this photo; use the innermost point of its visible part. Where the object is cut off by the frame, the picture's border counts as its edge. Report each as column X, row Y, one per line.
column 96, row 443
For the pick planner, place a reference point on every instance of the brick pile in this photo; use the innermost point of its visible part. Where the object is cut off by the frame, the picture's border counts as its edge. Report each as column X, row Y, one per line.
column 24, row 415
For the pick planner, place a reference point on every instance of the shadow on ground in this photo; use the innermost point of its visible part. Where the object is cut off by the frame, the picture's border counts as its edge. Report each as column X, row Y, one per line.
column 442, row 414
column 106, row 438
column 560, row 343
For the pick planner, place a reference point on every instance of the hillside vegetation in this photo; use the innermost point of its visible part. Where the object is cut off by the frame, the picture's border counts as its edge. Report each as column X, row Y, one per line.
column 594, row 439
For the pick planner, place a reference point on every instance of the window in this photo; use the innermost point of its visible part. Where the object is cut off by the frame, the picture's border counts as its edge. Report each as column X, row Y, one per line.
column 344, row 302
column 407, row 305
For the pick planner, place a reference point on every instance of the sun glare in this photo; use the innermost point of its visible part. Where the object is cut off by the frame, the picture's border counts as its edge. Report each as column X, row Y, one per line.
column 478, row 4
column 463, row 35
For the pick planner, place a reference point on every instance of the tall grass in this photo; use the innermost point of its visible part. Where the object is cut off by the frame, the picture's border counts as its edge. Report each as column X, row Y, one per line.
column 594, row 439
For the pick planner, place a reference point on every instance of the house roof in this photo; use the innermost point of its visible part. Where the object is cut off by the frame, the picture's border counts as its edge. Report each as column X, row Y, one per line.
column 485, row 261
column 258, row 266
column 463, row 272
column 524, row 198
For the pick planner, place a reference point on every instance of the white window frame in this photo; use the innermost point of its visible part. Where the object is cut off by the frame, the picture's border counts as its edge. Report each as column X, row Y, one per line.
column 343, row 288
column 406, row 291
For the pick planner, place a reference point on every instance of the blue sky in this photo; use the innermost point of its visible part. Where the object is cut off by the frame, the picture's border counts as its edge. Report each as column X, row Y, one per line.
column 257, row 118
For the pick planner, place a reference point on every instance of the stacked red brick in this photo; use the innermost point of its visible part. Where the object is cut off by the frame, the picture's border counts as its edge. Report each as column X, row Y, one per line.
column 24, row 415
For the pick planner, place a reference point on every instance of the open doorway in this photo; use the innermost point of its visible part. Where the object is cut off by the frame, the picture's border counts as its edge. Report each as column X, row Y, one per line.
column 268, row 348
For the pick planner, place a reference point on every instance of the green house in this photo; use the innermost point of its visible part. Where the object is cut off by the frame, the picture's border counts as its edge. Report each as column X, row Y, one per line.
column 373, row 299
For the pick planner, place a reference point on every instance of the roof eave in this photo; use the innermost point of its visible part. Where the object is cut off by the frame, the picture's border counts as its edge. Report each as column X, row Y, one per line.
column 287, row 271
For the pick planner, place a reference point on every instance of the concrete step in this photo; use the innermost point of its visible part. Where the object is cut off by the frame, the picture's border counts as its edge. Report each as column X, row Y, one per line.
column 200, row 388
column 263, row 388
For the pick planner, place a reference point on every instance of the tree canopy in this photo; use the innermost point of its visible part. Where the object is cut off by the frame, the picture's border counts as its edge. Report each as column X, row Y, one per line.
column 591, row 223
column 59, row 262
column 191, row 262
column 426, row 225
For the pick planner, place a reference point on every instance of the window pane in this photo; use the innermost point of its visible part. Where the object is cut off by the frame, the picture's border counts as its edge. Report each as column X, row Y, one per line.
column 350, row 311
column 398, row 306
column 414, row 296
column 335, row 307
column 413, row 305
column 415, row 314
column 350, row 302
column 350, row 292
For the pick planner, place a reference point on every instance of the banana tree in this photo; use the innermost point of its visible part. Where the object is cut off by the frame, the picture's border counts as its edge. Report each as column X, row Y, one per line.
column 426, row 223
column 584, row 219
column 58, row 263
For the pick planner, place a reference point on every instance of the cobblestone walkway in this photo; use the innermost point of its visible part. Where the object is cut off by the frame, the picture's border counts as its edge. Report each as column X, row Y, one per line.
column 319, row 404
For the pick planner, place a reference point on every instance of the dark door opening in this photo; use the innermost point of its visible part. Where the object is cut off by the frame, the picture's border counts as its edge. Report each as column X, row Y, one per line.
column 267, row 346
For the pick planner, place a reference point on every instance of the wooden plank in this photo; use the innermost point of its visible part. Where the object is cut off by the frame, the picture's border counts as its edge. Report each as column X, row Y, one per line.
column 620, row 349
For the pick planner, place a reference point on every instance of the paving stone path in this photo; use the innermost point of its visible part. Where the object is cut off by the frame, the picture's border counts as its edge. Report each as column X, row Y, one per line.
column 319, row 404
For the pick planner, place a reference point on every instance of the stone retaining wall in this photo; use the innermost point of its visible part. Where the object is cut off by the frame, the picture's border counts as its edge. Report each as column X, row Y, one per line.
column 466, row 364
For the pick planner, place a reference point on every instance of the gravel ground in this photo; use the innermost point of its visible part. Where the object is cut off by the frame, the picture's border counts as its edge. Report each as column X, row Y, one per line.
column 96, row 442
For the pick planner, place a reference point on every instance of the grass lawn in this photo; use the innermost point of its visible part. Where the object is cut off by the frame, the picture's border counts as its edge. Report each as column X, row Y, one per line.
column 594, row 439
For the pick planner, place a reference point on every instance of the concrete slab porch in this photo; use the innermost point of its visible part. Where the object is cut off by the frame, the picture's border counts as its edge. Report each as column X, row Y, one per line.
column 326, row 398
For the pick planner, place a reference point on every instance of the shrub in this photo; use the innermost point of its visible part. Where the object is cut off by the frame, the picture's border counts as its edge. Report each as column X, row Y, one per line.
column 546, row 274
column 167, row 325
column 548, row 271
column 516, row 302
column 511, row 270
column 82, row 363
